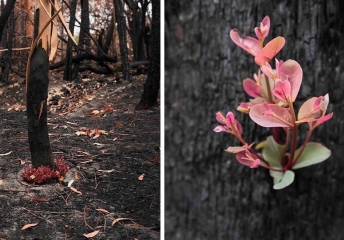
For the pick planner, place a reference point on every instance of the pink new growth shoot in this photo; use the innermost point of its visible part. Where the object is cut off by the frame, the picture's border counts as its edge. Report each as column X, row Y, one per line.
column 273, row 93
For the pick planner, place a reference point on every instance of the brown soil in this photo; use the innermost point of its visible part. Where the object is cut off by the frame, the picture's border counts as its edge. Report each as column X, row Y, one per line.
column 117, row 173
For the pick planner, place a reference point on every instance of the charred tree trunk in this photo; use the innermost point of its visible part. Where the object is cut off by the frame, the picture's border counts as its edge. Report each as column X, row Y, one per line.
column 137, row 25
column 109, row 35
column 84, row 40
column 68, row 71
column 209, row 194
column 8, row 44
column 149, row 97
column 5, row 14
column 121, row 27
column 37, row 94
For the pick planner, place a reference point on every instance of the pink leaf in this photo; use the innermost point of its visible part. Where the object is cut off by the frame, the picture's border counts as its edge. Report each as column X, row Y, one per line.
column 248, row 159
column 291, row 71
column 219, row 129
column 251, row 88
column 271, row 115
column 263, row 30
column 249, row 44
column 220, row 118
column 269, row 51
column 282, row 90
column 307, row 112
column 324, row 118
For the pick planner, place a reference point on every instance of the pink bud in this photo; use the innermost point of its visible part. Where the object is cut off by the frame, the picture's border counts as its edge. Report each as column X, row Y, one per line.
column 263, row 30
column 282, row 90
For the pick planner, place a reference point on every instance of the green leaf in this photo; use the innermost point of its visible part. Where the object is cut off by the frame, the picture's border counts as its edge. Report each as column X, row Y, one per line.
column 312, row 154
column 287, row 179
column 277, row 176
column 273, row 152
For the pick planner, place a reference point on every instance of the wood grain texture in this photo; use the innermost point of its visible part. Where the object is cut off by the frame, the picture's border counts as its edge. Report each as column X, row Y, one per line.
column 208, row 194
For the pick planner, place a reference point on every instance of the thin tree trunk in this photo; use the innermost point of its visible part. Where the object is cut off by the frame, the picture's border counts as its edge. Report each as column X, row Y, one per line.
column 209, row 195
column 5, row 14
column 109, row 35
column 121, row 27
column 68, row 72
column 151, row 87
column 8, row 53
column 84, row 40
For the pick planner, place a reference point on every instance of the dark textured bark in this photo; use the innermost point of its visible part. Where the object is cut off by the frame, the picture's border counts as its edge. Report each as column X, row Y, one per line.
column 151, row 87
column 5, row 14
column 84, row 40
column 109, row 35
column 122, row 33
column 37, row 94
column 68, row 71
column 209, row 195
column 7, row 55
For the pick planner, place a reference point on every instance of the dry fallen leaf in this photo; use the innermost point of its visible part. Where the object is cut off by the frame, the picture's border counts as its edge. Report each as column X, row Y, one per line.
column 155, row 160
column 75, row 190
column 22, row 162
column 38, row 199
column 24, row 183
column 106, row 171
column 92, row 234
column 26, row 226
column 95, row 112
column 141, row 177
column 89, row 97
column 5, row 154
column 118, row 124
column 120, row 219
column 70, row 183
column 1, row 181
column 103, row 210
column 76, row 176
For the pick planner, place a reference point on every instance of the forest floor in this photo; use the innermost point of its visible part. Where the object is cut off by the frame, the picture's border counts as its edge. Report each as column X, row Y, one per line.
column 113, row 152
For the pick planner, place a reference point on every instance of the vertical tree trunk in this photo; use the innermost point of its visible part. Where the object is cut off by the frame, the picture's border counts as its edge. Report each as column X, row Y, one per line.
column 109, row 35
column 208, row 194
column 122, row 33
column 37, row 94
column 36, row 105
column 84, row 39
column 68, row 72
column 151, row 87
column 8, row 45
column 5, row 14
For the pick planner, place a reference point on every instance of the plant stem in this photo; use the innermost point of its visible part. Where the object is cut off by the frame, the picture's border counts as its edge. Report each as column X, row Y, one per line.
column 268, row 88
column 303, row 147
column 294, row 138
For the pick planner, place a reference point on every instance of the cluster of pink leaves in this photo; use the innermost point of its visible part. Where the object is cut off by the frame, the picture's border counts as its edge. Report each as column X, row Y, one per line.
column 44, row 173
column 273, row 92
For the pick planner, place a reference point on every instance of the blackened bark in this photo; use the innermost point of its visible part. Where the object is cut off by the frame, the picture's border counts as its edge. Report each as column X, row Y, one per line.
column 150, row 93
column 8, row 44
column 68, row 71
column 137, row 23
column 209, row 195
column 84, row 40
column 37, row 94
column 5, row 14
column 122, row 33
column 109, row 35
